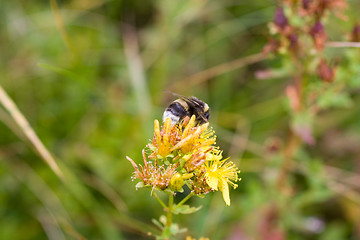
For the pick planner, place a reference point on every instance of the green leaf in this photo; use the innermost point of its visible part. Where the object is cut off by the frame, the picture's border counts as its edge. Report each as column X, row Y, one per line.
column 182, row 162
column 168, row 232
column 168, row 191
column 151, row 147
column 140, row 185
column 157, row 223
column 186, row 209
column 201, row 196
column 175, row 229
column 163, row 219
column 334, row 99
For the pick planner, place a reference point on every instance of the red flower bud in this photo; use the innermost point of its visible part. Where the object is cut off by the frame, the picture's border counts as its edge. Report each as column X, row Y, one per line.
column 325, row 72
column 280, row 19
column 355, row 35
column 294, row 42
column 319, row 35
column 306, row 4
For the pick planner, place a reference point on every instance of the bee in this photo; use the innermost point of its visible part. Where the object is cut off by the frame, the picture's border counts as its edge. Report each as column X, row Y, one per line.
column 187, row 106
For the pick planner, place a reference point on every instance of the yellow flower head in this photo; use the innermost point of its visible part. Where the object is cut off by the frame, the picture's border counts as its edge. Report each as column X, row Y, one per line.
column 185, row 138
column 193, row 137
column 184, row 154
column 220, row 172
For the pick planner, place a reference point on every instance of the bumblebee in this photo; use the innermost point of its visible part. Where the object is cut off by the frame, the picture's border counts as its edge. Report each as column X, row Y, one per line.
column 187, row 106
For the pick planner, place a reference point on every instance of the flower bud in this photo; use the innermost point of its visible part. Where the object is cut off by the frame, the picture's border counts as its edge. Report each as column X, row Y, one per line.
column 325, row 71
column 280, row 19
column 306, row 4
column 176, row 182
column 319, row 36
column 355, row 35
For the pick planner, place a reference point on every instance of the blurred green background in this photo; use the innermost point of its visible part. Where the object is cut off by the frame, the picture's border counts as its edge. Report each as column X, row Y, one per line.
column 91, row 76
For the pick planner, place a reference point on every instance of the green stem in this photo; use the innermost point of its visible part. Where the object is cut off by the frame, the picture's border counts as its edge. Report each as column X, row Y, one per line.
column 184, row 200
column 161, row 202
column 169, row 210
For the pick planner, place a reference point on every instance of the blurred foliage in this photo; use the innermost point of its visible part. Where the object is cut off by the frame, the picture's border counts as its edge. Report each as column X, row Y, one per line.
column 91, row 76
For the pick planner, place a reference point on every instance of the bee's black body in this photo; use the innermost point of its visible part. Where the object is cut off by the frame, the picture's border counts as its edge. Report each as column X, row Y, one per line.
column 187, row 106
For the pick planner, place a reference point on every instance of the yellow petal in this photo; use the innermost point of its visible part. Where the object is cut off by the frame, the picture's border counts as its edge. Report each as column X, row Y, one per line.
column 213, row 156
column 167, row 125
column 182, row 143
column 208, row 142
column 212, row 181
column 204, row 126
column 157, row 132
column 190, row 125
column 185, row 157
column 166, row 143
column 225, row 191
column 186, row 176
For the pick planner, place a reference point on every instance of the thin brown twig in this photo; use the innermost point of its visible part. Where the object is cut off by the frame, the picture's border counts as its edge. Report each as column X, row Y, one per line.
column 7, row 120
column 343, row 44
column 344, row 191
column 220, row 69
column 29, row 133
column 350, row 178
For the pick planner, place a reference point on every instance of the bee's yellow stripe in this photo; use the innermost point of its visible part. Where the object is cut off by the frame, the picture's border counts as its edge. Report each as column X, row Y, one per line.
column 183, row 104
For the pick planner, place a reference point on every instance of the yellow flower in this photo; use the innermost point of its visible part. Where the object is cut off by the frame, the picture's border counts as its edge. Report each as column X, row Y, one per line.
column 186, row 137
column 184, row 153
column 165, row 139
column 220, row 172
column 190, row 238
column 195, row 137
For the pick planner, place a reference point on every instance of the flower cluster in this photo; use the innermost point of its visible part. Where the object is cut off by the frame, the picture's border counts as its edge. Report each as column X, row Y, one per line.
column 299, row 35
column 295, row 21
column 185, row 154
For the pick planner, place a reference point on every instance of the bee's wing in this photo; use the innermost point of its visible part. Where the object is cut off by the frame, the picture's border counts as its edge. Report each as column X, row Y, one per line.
column 186, row 99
